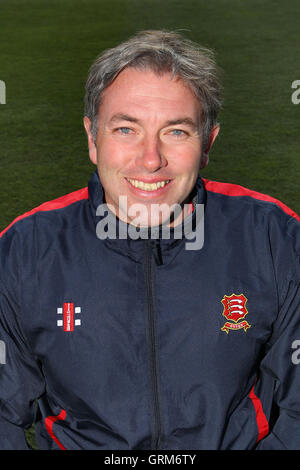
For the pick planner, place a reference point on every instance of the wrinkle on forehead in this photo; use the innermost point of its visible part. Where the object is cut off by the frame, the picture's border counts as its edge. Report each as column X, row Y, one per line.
column 146, row 92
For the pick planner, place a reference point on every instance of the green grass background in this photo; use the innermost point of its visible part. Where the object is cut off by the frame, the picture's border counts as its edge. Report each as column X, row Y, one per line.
column 47, row 47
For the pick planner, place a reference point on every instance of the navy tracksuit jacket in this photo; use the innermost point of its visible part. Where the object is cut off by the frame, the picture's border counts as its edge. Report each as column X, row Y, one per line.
column 142, row 344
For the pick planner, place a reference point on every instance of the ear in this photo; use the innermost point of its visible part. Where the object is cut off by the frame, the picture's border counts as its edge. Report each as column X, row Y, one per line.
column 91, row 144
column 212, row 137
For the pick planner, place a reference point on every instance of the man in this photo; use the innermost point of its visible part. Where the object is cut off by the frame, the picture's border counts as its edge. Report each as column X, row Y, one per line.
column 139, row 342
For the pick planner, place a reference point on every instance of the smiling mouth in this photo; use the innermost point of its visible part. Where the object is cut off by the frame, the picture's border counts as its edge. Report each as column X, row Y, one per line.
column 148, row 186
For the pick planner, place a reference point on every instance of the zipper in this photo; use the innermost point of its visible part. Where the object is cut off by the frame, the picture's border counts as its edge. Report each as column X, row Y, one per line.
column 152, row 344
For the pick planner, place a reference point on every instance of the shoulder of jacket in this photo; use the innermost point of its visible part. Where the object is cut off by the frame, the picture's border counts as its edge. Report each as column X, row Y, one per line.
column 53, row 205
column 264, row 200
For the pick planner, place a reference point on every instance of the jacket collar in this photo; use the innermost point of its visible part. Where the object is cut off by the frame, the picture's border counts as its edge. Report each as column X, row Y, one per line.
column 164, row 248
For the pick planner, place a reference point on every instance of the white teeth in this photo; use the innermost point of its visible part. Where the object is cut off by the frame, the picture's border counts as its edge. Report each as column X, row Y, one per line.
column 147, row 186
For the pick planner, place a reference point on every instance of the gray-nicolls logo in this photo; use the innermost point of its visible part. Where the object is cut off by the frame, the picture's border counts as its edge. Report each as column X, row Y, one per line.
column 68, row 312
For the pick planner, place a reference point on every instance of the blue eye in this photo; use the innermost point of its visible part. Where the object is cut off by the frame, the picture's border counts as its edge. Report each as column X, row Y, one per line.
column 178, row 132
column 124, row 130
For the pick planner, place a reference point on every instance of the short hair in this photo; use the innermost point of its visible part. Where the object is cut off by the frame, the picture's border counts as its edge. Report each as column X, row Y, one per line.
column 162, row 52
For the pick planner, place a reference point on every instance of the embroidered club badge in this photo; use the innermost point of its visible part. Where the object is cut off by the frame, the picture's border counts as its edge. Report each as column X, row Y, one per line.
column 234, row 311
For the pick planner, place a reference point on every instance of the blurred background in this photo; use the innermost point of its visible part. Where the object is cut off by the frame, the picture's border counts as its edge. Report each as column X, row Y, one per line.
column 47, row 47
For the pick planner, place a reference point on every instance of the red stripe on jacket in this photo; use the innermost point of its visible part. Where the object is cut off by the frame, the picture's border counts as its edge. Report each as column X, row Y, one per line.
column 261, row 420
column 58, row 203
column 229, row 189
column 49, row 421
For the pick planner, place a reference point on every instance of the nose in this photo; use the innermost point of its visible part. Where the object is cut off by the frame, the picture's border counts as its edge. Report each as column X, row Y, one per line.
column 151, row 156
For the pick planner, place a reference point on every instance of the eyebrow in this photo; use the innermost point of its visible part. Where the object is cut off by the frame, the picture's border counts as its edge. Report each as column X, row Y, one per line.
column 184, row 120
column 123, row 117
column 173, row 122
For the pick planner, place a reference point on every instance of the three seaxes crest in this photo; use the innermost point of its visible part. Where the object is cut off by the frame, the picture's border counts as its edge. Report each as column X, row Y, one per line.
column 234, row 312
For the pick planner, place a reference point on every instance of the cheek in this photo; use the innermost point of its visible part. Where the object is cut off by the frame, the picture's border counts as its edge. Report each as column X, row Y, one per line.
column 111, row 156
column 185, row 157
column 188, row 164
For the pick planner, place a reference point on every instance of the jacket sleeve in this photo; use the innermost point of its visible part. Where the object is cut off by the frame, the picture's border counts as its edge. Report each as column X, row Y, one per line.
column 281, row 364
column 21, row 380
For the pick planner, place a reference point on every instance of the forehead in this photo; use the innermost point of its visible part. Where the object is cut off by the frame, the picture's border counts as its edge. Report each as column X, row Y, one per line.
column 145, row 91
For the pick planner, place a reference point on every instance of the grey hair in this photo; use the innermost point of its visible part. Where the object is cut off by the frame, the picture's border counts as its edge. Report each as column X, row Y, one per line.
column 161, row 52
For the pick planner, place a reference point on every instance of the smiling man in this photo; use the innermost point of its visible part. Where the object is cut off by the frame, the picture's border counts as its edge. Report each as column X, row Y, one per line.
column 149, row 142
column 138, row 342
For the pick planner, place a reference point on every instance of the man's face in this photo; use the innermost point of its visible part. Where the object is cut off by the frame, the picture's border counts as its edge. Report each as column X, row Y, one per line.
column 149, row 143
